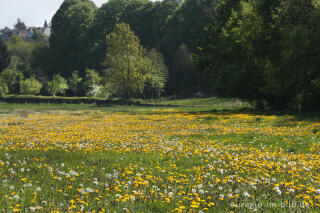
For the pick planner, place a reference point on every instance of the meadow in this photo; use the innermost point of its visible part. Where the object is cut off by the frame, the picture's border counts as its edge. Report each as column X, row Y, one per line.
column 206, row 155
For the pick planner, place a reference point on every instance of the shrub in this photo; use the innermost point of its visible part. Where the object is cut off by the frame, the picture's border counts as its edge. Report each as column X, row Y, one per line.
column 30, row 86
column 58, row 85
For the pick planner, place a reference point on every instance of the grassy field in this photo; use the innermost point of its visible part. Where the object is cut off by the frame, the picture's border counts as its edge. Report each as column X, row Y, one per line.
column 203, row 155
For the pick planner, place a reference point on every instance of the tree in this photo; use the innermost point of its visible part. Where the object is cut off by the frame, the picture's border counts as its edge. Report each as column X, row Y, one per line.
column 125, row 61
column 3, row 88
column 39, row 36
column 30, row 86
column 58, row 85
column 92, row 82
column 20, row 25
column 45, row 25
column 136, row 13
column 12, row 79
column 74, row 81
column 158, row 73
column 4, row 56
column 22, row 50
column 41, row 61
column 68, row 35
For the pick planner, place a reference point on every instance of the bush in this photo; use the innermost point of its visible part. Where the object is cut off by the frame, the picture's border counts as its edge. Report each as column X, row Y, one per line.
column 58, row 85
column 3, row 88
column 12, row 79
column 30, row 86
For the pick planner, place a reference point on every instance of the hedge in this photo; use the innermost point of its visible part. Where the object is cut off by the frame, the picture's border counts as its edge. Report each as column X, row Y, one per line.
column 30, row 99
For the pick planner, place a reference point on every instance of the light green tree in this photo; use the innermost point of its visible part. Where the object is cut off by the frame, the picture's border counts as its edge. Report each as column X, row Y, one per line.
column 30, row 86
column 58, row 85
column 74, row 81
column 12, row 79
column 158, row 73
column 3, row 88
column 125, row 61
column 92, row 82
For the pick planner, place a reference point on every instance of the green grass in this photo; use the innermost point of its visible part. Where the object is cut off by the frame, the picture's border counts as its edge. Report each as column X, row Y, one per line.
column 189, row 168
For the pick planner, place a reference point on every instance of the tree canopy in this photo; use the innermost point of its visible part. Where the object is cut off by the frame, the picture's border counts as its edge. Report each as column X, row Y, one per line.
column 125, row 62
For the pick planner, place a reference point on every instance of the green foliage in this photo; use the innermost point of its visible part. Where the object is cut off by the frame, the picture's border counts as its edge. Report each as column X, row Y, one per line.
column 39, row 36
column 92, row 82
column 184, row 28
column 4, row 56
column 267, row 51
column 30, row 86
column 41, row 60
column 11, row 78
column 125, row 61
column 20, row 25
column 74, row 81
column 158, row 73
column 22, row 50
column 68, row 37
column 58, row 85
column 3, row 88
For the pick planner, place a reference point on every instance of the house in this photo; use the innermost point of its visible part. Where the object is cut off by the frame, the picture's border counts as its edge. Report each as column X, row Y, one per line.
column 46, row 31
column 26, row 33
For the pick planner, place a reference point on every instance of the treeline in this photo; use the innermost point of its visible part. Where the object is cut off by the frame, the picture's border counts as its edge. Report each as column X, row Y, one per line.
column 263, row 51
column 266, row 51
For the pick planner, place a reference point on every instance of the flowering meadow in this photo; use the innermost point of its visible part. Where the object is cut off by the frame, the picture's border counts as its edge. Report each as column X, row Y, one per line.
column 158, row 160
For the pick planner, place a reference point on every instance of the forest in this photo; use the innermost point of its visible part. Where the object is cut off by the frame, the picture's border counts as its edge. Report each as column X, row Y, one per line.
column 266, row 52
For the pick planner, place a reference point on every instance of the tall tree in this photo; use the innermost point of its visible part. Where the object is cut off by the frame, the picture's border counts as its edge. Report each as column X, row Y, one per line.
column 45, row 25
column 134, row 12
column 125, row 61
column 20, row 25
column 158, row 73
column 74, row 81
column 67, row 41
column 21, row 52
column 4, row 56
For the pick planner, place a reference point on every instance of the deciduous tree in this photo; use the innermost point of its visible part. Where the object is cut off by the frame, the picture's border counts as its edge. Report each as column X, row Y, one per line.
column 125, row 60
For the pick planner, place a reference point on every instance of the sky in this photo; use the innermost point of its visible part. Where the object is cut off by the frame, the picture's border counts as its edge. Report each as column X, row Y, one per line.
column 32, row 12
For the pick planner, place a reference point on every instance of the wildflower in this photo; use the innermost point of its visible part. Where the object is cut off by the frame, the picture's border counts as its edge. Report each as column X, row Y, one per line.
column 277, row 190
column 89, row 190
column 246, row 194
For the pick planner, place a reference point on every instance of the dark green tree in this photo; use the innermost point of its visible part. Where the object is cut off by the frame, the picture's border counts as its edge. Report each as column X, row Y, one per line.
column 67, row 41
column 20, row 25
column 4, row 56
column 74, row 82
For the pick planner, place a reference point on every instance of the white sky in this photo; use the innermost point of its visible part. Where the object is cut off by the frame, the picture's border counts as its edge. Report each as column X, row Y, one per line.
column 32, row 12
